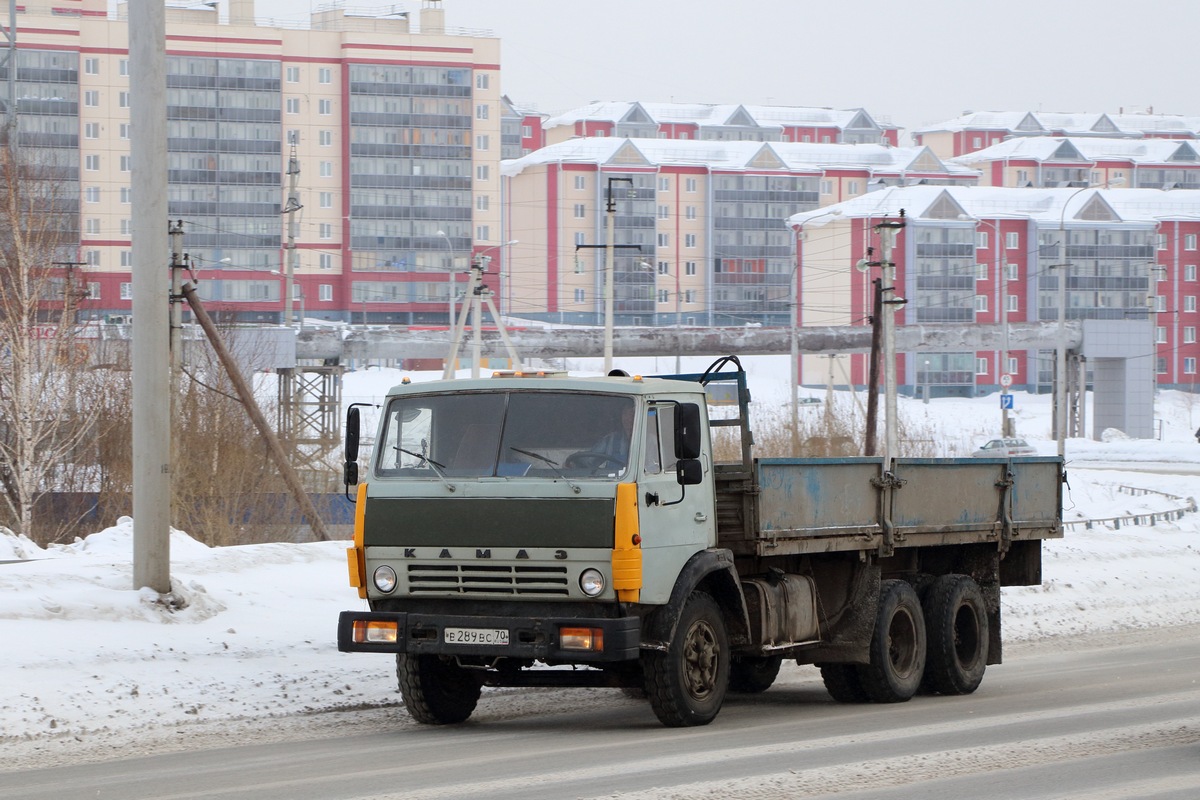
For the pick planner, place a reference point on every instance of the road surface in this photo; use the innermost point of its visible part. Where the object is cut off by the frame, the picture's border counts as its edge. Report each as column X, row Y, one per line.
column 1098, row 718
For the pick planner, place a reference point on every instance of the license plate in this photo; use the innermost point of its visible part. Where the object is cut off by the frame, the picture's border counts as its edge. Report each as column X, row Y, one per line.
column 488, row 636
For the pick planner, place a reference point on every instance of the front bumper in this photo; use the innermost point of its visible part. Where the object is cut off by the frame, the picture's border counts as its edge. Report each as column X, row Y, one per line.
column 538, row 638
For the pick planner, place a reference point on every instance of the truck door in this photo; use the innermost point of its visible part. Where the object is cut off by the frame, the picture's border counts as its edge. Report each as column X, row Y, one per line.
column 675, row 521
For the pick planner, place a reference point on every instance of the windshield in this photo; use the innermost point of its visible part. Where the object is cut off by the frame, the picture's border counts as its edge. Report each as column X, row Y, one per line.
column 507, row 434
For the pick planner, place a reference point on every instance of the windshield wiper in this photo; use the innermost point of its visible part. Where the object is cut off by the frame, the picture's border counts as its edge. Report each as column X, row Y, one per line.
column 552, row 464
column 437, row 468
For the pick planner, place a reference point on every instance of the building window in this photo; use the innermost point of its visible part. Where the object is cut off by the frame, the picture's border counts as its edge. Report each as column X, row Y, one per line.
column 1022, row 178
column 690, row 212
column 664, row 296
column 664, row 212
column 293, row 105
column 91, row 194
column 325, row 261
column 1160, row 335
column 325, row 107
column 125, row 195
column 1189, row 272
column 91, row 98
column 325, row 292
column 981, row 271
column 852, row 187
column 664, row 268
column 664, row 184
column 293, row 74
column 124, row 130
column 689, row 240
column 91, row 66
column 580, row 295
column 481, row 111
column 126, row 258
column 325, row 138
column 1013, row 303
column 126, row 227
column 1189, row 241
column 1161, row 273
column 976, row 142
column 1189, row 335
column 981, row 302
column 580, row 211
column 1012, row 240
column 324, row 75
column 1162, row 241
column 123, row 99
column 1189, row 303
column 526, row 131
column 1160, row 303
column 689, row 296
column 1012, row 271
column 664, row 240
column 981, row 240
column 325, row 230
column 91, row 226
column 482, row 233
column 326, row 169
column 91, row 163
column 689, row 268
column 580, row 239
column 1012, row 365
column 481, row 80
column 981, row 366
column 481, row 202
column 580, row 182
column 123, row 67
column 126, row 291
column 481, row 142
column 326, row 199
column 91, row 130
column 125, row 163
column 481, row 172
column 92, row 257
column 1189, row 366
column 826, row 187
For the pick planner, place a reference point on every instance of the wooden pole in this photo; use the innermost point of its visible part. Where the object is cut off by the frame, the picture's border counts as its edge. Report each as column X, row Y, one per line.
column 247, row 397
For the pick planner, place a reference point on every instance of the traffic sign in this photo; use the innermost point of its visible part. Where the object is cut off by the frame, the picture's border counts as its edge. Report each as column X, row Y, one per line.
column 1006, row 380
column 1006, row 401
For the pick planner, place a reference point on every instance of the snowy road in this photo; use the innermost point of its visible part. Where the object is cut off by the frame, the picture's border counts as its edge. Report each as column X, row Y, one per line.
column 1110, row 717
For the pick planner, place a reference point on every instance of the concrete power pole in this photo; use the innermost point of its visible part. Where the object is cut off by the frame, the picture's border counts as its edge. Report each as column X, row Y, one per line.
column 293, row 205
column 151, row 356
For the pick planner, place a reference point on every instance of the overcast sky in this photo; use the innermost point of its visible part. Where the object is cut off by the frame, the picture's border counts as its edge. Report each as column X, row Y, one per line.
column 912, row 63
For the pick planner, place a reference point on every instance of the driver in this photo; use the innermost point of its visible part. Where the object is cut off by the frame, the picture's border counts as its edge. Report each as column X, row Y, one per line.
column 615, row 443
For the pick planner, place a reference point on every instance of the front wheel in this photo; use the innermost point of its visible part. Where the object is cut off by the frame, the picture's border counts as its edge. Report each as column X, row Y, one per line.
column 686, row 685
column 897, row 646
column 436, row 691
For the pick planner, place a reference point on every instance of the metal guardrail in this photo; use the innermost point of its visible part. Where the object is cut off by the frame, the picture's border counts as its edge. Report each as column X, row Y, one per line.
column 1148, row 518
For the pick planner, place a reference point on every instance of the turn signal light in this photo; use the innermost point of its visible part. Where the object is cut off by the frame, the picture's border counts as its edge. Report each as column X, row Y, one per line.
column 581, row 639
column 375, row 632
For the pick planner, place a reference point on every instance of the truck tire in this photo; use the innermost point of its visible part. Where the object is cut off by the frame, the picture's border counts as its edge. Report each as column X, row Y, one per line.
column 753, row 674
column 842, row 683
column 897, row 646
column 957, row 624
column 436, row 691
column 686, row 684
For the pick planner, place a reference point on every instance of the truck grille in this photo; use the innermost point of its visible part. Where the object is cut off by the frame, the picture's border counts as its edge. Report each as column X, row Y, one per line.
column 487, row 580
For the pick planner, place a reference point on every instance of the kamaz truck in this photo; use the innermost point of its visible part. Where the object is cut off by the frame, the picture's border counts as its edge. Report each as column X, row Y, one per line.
column 536, row 529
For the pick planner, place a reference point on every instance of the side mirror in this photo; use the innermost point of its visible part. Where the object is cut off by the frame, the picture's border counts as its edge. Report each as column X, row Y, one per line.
column 350, row 468
column 689, row 472
column 687, row 431
column 353, row 426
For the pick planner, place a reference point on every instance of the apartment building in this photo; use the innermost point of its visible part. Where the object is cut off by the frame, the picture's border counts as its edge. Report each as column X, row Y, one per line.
column 646, row 120
column 395, row 125
column 698, row 225
column 975, row 130
column 993, row 255
column 1052, row 162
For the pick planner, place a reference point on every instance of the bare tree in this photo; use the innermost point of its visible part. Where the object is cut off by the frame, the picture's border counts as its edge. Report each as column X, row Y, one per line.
column 48, row 409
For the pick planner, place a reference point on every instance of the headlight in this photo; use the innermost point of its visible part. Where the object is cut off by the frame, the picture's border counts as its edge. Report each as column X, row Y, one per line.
column 385, row 578
column 592, row 582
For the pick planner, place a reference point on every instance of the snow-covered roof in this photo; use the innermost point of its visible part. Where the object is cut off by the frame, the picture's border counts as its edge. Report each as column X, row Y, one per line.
column 710, row 115
column 1048, row 207
column 734, row 155
column 1050, row 148
column 1076, row 123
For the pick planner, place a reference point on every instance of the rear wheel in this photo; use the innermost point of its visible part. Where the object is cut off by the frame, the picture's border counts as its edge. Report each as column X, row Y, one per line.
column 842, row 683
column 897, row 646
column 753, row 674
column 957, row 624
column 686, row 684
column 436, row 691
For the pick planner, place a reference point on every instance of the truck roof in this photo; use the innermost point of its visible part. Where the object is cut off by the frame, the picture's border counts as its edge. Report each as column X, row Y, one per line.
column 557, row 381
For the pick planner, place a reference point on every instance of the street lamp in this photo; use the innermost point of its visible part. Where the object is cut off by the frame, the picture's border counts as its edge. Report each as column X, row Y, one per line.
column 611, row 208
column 1060, row 386
column 450, row 271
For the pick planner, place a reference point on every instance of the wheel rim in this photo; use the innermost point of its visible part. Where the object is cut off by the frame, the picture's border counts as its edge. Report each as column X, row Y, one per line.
column 902, row 643
column 966, row 636
column 701, row 654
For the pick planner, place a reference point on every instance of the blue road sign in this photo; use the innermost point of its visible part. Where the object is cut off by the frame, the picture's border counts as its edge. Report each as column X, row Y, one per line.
column 1006, row 401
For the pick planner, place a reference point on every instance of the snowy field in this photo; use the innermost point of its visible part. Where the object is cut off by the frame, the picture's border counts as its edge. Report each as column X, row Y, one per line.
column 90, row 668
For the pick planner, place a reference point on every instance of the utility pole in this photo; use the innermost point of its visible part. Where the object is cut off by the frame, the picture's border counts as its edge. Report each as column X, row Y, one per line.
column 873, row 366
column 292, row 206
column 610, row 267
column 888, row 229
column 178, row 264
column 151, row 356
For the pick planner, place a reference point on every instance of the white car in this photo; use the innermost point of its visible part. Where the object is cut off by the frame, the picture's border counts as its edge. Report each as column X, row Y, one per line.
column 1003, row 448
